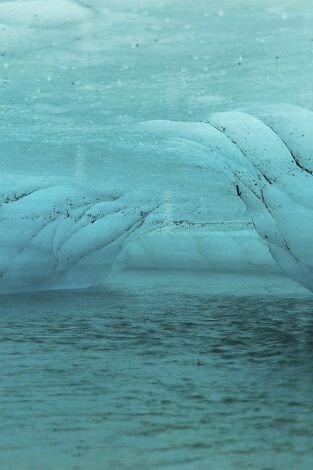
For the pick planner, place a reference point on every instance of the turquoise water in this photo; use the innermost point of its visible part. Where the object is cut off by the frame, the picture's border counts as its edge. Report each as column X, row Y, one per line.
column 156, row 375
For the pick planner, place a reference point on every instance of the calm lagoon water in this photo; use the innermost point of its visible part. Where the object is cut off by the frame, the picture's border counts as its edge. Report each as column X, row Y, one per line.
column 156, row 374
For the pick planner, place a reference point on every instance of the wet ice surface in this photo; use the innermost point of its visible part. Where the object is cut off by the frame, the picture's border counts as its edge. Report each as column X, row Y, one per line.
column 157, row 372
column 73, row 83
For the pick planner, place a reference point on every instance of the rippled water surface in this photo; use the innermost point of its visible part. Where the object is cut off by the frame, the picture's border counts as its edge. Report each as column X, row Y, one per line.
column 156, row 376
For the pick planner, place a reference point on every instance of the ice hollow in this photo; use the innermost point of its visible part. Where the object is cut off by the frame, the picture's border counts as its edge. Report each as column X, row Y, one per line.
column 255, row 212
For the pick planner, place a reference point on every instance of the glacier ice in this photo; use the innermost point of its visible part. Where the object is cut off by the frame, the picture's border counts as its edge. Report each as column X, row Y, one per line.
column 41, row 13
column 241, row 201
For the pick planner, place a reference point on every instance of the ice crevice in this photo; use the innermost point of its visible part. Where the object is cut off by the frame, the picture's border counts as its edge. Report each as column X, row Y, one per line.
column 261, row 215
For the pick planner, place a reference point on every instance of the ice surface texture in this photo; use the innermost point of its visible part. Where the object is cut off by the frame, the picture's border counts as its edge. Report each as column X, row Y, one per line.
column 70, row 236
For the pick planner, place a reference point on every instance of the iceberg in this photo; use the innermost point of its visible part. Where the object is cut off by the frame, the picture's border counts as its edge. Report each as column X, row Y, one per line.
column 240, row 200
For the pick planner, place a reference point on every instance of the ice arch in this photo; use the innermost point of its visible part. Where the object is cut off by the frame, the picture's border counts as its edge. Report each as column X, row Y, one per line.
column 69, row 236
